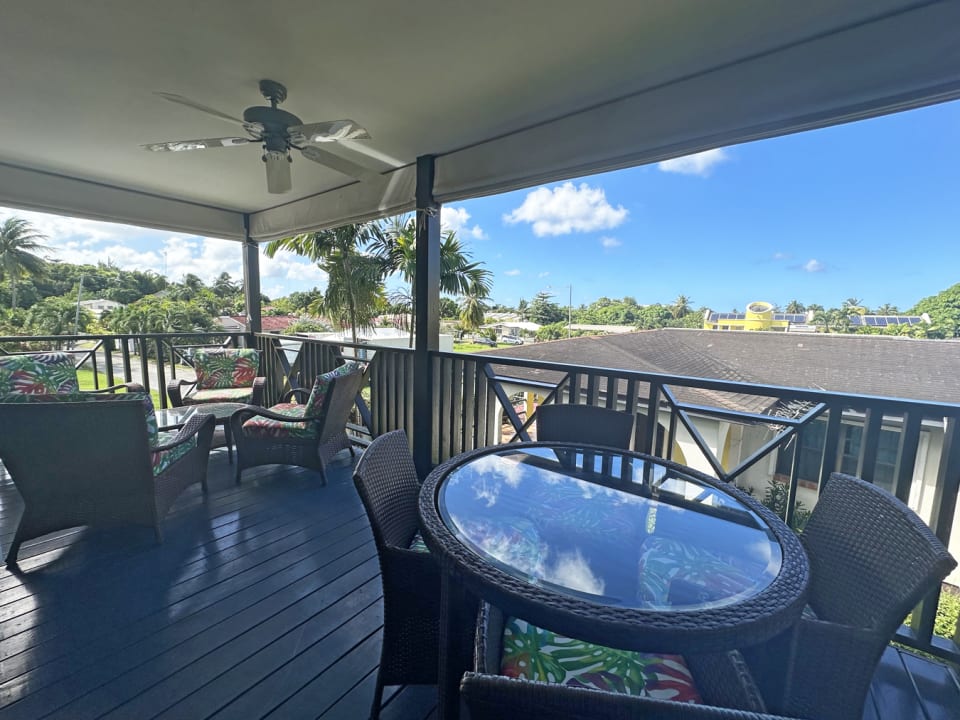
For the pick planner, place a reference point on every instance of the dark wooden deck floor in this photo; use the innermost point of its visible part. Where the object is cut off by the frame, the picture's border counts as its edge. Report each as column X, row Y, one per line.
column 263, row 601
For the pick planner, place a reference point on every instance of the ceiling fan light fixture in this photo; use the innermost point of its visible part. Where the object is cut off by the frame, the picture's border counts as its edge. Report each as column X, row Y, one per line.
column 278, row 171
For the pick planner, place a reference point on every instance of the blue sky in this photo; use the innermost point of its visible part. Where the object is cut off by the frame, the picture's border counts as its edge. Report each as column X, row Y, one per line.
column 867, row 210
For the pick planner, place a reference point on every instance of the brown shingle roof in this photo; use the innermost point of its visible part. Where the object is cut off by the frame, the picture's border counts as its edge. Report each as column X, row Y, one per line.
column 860, row 364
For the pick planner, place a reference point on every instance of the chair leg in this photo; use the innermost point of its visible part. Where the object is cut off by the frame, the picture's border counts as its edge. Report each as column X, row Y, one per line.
column 377, row 699
column 14, row 549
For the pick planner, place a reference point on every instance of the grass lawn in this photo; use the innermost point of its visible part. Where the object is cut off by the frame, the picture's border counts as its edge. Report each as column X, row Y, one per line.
column 470, row 347
column 85, row 377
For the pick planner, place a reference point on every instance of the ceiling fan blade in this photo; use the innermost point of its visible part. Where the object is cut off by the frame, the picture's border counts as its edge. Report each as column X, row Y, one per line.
column 330, row 131
column 206, row 144
column 180, row 99
column 341, row 165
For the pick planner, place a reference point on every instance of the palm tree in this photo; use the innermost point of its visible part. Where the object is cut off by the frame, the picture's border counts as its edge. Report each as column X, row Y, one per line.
column 19, row 243
column 680, row 307
column 887, row 309
column 795, row 306
column 522, row 308
column 354, row 290
column 458, row 275
column 853, row 305
column 472, row 310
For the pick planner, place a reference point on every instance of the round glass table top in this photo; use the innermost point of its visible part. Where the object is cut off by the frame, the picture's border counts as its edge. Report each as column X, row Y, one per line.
column 609, row 527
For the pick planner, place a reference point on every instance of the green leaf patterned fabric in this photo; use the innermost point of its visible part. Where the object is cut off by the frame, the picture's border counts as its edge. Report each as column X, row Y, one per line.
column 533, row 653
column 676, row 572
column 220, row 395
column 321, row 385
column 160, row 460
column 39, row 373
column 418, row 545
column 226, row 368
column 269, row 428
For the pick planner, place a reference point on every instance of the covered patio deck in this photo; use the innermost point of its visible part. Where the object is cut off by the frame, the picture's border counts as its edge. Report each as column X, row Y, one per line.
column 263, row 601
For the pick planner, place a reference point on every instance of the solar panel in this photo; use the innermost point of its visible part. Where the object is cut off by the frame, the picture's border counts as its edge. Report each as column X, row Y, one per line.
column 881, row 322
column 871, row 321
column 856, row 320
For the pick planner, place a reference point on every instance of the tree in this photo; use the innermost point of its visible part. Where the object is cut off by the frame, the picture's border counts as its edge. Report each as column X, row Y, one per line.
column 544, row 311
column 354, row 292
column 522, row 309
column 680, row 307
column 58, row 316
column 224, row 286
column 459, row 275
column 853, row 305
column 887, row 309
column 795, row 306
column 19, row 243
column 472, row 310
column 944, row 311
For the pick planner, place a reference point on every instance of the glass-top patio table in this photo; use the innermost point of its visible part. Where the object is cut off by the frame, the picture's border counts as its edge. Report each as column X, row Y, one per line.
column 608, row 546
column 175, row 418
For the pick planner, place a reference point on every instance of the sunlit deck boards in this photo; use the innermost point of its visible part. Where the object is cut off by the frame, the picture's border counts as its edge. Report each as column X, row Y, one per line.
column 263, row 601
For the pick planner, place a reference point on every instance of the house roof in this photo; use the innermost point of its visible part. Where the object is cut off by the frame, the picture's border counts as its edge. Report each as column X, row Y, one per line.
column 504, row 94
column 860, row 364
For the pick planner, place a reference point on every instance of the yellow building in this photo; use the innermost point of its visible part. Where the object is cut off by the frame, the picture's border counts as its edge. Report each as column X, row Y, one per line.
column 759, row 316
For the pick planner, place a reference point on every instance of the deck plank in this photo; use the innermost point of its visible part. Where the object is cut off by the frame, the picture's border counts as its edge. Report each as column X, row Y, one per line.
column 263, row 601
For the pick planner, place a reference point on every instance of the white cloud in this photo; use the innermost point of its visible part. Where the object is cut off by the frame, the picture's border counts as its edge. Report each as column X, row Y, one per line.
column 781, row 256
column 813, row 266
column 512, row 273
column 543, row 275
column 456, row 219
column 566, row 209
column 610, row 242
column 699, row 164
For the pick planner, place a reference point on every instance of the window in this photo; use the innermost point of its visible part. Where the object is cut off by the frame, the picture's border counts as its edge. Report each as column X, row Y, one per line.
column 884, row 470
column 811, row 451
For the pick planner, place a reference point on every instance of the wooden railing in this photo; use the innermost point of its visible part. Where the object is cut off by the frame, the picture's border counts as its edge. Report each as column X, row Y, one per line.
column 764, row 438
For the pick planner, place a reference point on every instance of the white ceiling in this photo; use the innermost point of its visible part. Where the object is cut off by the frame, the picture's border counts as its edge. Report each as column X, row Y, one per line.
column 506, row 93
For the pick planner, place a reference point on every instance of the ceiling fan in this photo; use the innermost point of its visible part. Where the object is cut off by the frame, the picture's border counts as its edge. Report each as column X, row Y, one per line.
column 280, row 132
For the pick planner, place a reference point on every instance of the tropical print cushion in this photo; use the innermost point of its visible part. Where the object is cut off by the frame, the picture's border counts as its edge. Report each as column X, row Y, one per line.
column 39, row 373
column 418, row 545
column 162, row 459
column 263, row 427
column 219, row 395
column 532, row 653
column 226, row 368
column 673, row 572
column 321, row 385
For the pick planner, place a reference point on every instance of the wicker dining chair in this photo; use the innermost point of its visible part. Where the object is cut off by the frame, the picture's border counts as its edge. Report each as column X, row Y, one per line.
column 871, row 561
column 387, row 482
column 721, row 682
column 46, row 373
column 84, row 459
column 495, row 697
column 584, row 424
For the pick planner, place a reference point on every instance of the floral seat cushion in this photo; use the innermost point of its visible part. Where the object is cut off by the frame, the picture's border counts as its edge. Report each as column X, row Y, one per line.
column 264, row 427
column 219, row 369
column 220, row 395
column 321, row 386
column 532, row 653
column 676, row 572
column 418, row 545
column 39, row 373
column 160, row 460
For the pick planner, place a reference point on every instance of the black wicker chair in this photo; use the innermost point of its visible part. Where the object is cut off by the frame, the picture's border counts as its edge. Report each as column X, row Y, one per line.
column 584, row 424
column 90, row 463
column 315, row 451
column 723, row 680
column 871, row 561
column 388, row 485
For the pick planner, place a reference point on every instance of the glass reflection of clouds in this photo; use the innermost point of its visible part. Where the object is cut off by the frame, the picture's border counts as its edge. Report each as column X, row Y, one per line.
column 572, row 571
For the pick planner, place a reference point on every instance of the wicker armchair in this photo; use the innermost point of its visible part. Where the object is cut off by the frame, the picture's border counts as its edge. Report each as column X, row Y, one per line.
column 307, row 434
column 223, row 376
column 388, row 485
column 45, row 373
column 871, row 561
column 81, row 459
column 584, row 424
column 723, row 683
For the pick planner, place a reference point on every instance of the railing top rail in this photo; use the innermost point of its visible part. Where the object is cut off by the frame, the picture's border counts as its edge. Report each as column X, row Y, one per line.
column 74, row 338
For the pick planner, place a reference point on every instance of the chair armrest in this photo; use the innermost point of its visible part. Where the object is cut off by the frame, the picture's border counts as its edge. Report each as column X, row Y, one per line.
column 250, row 411
column 259, row 387
column 175, row 393
column 195, row 423
column 296, row 393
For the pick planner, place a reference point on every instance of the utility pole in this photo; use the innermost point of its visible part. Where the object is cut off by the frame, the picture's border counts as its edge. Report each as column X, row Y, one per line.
column 569, row 309
column 76, row 322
